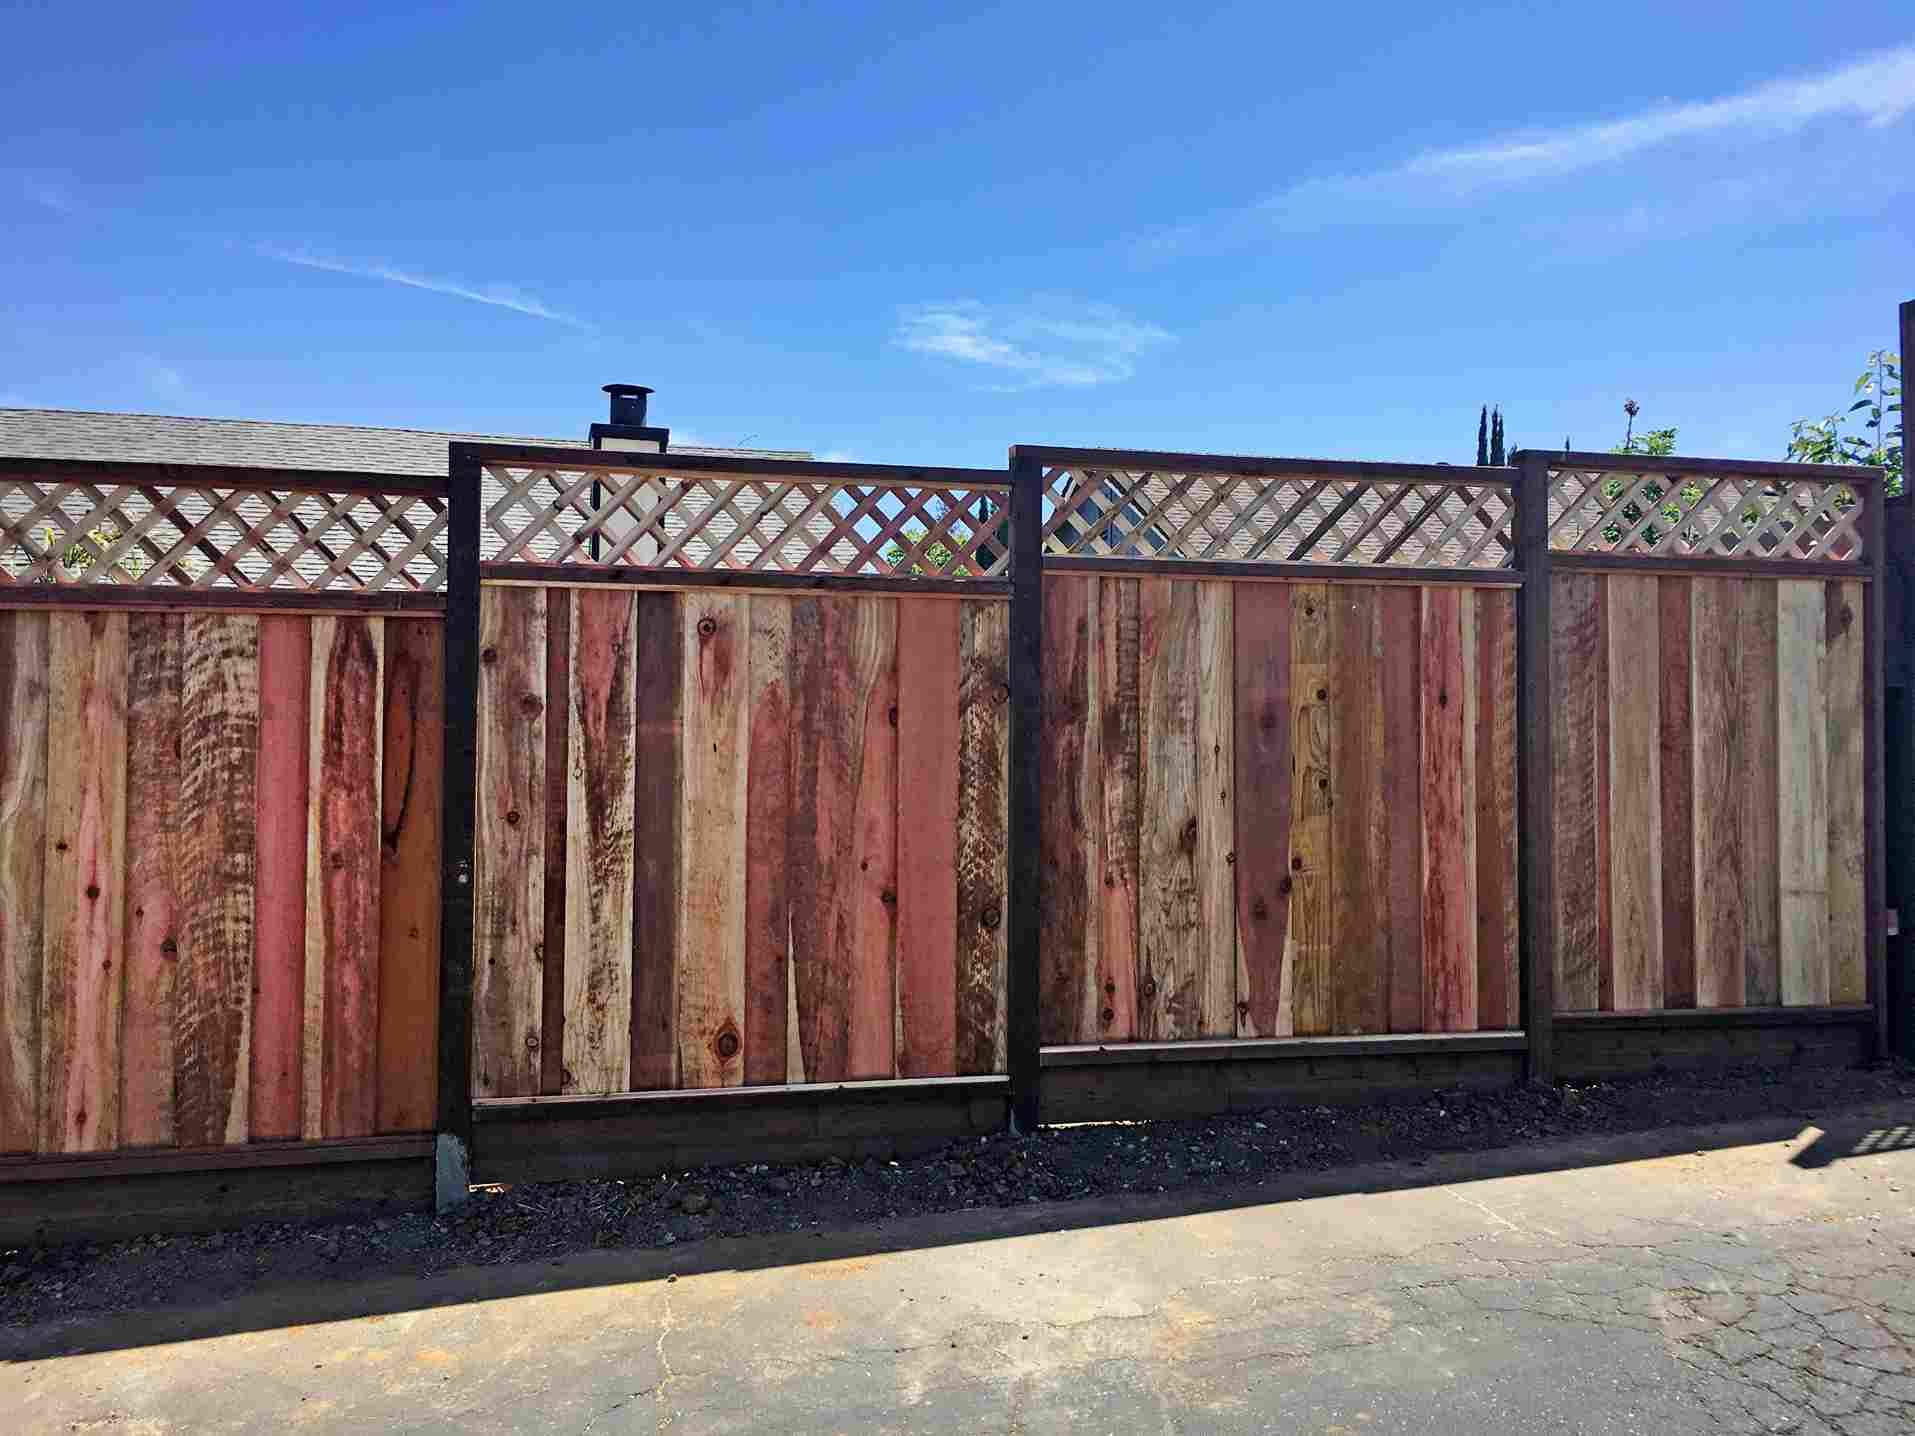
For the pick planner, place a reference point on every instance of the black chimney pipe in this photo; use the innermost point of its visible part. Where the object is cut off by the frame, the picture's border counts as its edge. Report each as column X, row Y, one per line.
column 628, row 404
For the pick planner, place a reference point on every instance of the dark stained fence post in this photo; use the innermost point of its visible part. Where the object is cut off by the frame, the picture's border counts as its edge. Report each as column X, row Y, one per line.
column 1535, row 779
column 1027, row 677
column 461, row 776
column 1874, row 495
column 1898, row 741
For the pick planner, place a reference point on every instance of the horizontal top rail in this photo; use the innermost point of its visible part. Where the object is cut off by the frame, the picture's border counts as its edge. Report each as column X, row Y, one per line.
column 728, row 466
column 1251, row 466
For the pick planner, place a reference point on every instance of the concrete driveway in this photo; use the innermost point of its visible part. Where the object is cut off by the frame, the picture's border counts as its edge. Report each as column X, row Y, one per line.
column 1755, row 1278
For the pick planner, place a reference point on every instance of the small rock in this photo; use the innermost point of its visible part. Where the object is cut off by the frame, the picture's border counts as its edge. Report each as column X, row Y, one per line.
column 692, row 1203
column 779, row 1186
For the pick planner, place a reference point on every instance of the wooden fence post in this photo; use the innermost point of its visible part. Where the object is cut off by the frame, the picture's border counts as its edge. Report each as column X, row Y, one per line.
column 1535, row 778
column 1026, row 777
column 1894, row 990
column 453, row 1167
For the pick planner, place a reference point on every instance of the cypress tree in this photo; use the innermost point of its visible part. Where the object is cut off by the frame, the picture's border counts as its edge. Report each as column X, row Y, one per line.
column 1496, row 440
column 1482, row 438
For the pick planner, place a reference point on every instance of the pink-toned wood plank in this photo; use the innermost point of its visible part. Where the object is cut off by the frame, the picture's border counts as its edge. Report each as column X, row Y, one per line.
column 1449, row 912
column 1498, row 978
column 279, row 925
column 767, row 844
column 927, row 765
column 23, row 851
column 874, row 1001
column 657, row 814
column 1265, row 733
column 1400, row 624
column 153, row 876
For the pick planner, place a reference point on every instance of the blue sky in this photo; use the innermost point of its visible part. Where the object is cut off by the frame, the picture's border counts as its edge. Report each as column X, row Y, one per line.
column 891, row 233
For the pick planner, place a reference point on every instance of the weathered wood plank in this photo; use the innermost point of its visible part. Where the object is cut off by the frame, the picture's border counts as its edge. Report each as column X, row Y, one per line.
column 1605, row 814
column 929, row 641
column 1070, row 837
column 1119, row 721
column 1498, row 977
column 1575, row 650
column 1675, row 606
column 1169, row 912
column 1359, row 819
column 1266, row 731
column 556, row 806
column 658, row 812
column 509, row 890
column 342, row 879
column 154, row 873
column 23, row 852
column 1399, row 679
column 711, row 916
column 84, row 936
column 280, row 820
column 600, row 792
column 1847, row 716
column 1721, row 765
column 1761, row 796
column 1635, row 793
column 218, row 766
column 1449, row 910
column 1215, row 803
column 984, row 730
column 1802, row 759
column 874, row 868
column 1312, row 936
column 410, row 795
column 767, row 860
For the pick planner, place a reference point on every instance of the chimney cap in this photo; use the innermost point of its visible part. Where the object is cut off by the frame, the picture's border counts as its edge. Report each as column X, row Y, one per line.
column 627, row 391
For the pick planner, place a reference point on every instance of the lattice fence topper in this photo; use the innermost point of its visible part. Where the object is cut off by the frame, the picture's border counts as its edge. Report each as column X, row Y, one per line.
column 1129, row 513
column 219, row 536
column 1674, row 515
column 655, row 518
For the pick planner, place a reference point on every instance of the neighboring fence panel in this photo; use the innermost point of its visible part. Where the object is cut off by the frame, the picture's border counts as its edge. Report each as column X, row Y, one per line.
column 212, row 929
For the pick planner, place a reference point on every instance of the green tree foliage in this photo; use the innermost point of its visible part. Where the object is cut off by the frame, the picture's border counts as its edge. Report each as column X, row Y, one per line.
column 1877, row 395
column 1489, row 438
column 1651, row 443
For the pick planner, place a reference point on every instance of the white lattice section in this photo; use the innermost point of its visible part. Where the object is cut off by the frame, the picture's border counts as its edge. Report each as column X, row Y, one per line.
column 1674, row 515
column 1118, row 513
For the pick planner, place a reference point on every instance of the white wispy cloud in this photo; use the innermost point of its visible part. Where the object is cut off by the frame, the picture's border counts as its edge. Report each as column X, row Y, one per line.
column 500, row 296
column 163, row 380
column 1037, row 346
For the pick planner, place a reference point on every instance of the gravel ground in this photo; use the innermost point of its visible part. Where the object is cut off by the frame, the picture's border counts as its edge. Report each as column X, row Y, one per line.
column 548, row 1220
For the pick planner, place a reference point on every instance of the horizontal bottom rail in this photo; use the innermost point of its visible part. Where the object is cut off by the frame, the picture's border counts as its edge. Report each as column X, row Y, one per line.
column 1674, row 1017
column 576, row 1106
column 1259, row 1049
column 694, row 580
column 62, row 1166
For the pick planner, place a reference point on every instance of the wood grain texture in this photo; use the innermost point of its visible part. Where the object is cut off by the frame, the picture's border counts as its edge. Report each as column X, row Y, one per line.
column 1266, row 731
column 711, row 917
column 984, row 752
column 1843, row 671
column 154, row 873
column 874, row 977
column 1498, row 976
column 1449, row 878
column 218, row 839
column 1635, row 793
column 767, row 852
column 509, row 879
column 1311, row 939
column 929, row 643
column 1118, row 740
column 84, row 972
column 1399, row 677
column 410, row 798
column 1070, row 837
column 1170, row 902
column 1760, row 796
column 1359, row 818
column 557, row 810
column 657, row 814
column 1721, row 765
column 281, row 798
column 342, row 879
column 1575, row 653
column 23, row 855
column 1605, row 813
column 600, row 789
column 1802, row 785
column 1216, row 812
column 1675, row 605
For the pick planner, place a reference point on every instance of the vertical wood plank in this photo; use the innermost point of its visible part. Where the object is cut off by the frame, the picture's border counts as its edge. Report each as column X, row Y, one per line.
column 1119, row 726
column 1605, row 813
column 658, row 812
column 599, row 796
column 1359, row 824
column 711, row 919
column 281, row 798
column 1399, row 681
column 509, row 883
column 1575, row 652
column 874, row 999
column 1675, row 605
column 1311, row 936
column 410, row 795
column 558, row 848
column 984, row 696
column 154, row 872
column 1449, row 913
column 1169, row 917
column 219, row 763
column 1265, row 735
column 1216, row 802
column 1761, row 796
column 1802, row 758
column 1721, row 766
column 1635, row 793
column 84, row 936
column 342, row 878
column 1498, row 936
column 1847, row 717
column 23, row 819
column 767, row 860
column 929, row 643
column 1070, row 833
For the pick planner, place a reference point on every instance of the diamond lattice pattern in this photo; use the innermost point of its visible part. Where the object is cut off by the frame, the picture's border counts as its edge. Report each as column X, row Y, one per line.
column 1674, row 515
